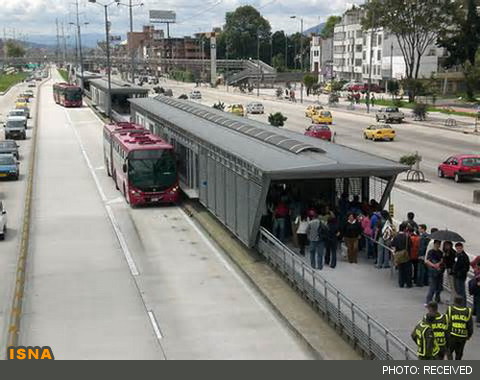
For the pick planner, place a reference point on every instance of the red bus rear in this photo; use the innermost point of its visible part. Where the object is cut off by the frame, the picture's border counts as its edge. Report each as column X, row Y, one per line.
column 67, row 95
column 143, row 166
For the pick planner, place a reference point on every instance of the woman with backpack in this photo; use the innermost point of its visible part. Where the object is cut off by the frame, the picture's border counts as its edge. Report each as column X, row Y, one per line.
column 386, row 235
column 352, row 231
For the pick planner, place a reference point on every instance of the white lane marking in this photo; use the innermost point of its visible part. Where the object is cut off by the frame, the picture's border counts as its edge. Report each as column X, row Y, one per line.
column 154, row 323
column 115, row 200
column 100, row 168
column 221, row 258
column 113, row 220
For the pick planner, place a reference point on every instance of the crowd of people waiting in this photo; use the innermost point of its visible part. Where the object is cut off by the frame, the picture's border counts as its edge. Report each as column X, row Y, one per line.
column 319, row 229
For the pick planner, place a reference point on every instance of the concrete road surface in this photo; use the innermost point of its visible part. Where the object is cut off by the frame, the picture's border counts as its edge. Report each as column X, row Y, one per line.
column 108, row 282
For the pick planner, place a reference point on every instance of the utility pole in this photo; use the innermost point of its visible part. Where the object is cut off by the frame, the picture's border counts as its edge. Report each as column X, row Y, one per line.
column 58, row 43
column 301, row 58
column 64, row 43
column 226, row 56
column 79, row 39
column 370, row 64
column 391, row 63
column 286, row 51
column 258, row 63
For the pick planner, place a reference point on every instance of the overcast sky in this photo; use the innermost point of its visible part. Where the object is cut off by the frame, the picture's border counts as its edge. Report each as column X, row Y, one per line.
column 38, row 16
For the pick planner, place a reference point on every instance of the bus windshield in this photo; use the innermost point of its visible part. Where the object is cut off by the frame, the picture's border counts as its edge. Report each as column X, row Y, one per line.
column 73, row 94
column 152, row 170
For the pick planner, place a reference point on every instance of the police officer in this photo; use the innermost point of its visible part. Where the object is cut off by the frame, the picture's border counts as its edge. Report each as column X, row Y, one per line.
column 424, row 338
column 439, row 327
column 460, row 327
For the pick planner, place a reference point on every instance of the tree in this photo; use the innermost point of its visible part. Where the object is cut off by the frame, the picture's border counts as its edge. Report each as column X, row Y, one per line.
column 278, row 62
column 327, row 31
column 15, row 50
column 277, row 119
column 241, row 29
column 393, row 87
column 462, row 40
column 415, row 24
column 309, row 81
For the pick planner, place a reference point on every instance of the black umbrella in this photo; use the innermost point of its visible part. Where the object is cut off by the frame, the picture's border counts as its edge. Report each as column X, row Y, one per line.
column 446, row 235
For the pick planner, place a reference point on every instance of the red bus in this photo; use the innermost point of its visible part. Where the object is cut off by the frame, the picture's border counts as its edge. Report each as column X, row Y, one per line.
column 143, row 166
column 67, row 95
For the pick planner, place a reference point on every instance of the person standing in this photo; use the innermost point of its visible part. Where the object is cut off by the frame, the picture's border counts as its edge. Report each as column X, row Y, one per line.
column 460, row 328
column 476, row 266
column 375, row 226
column 415, row 241
column 351, row 234
column 280, row 220
column 317, row 245
column 422, row 270
column 401, row 247
column 372, row 100
column 424, row 338
column 460, row 271
column 440, row 329
column 449, row 257
column 331, row 243
column 474, row 290
column 302, row 224
column 434, row 262
column 386, row 233
column 367, row 232
column 410, row 222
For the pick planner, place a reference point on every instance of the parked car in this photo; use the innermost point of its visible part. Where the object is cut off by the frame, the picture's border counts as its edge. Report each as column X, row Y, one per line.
column 323, row 117
column 236, row 109
column 312, row 110
column 460, row 167
column 195, row 94
column 29, row 93
column 356, row 87
column 16, row 127
column 379, row 132
column 9, row 166
column 9, row 147
column 3, row 221
column 319, row 131
column 389, row 114
column 32, row 85
column 255, row 107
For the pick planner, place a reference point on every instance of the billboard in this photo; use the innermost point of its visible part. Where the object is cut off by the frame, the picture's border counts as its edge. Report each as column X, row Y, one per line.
column 158, row 17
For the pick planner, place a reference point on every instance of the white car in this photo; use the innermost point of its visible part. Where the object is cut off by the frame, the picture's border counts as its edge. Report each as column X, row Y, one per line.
column 255, row 108
column 3, row 221
column 195, row 94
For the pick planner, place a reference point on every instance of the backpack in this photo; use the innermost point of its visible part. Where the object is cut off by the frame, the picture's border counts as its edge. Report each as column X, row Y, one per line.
column 323, row 231
column 388, row 234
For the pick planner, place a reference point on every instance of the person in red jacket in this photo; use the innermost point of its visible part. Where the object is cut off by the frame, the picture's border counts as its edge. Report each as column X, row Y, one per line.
column 415, row 240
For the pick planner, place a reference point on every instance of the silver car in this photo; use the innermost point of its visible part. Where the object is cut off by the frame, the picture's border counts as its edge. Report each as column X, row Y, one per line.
column 255, row 107
column 9, row 147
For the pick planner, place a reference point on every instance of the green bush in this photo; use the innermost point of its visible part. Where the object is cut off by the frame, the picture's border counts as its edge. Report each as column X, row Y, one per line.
column 410, row 159
column 277, row 119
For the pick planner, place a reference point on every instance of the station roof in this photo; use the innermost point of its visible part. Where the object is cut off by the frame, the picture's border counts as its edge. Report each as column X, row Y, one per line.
column 118, row 87
column 277, row 155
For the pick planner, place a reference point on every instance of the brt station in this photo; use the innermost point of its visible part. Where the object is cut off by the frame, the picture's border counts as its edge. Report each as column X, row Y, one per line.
column 83, row 81
column 120, row 93
column 232, row 164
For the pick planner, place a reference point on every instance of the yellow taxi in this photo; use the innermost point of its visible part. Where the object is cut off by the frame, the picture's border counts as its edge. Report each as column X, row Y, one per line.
column 23, row 99
column 322, row 117
column 236, row 109
column 23, row 106
column 379, row 132
column 312, row 110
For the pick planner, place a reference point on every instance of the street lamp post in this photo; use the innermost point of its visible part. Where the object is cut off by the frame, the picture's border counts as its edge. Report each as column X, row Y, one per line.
column 107, row 36
column 286, row 51
column 78, row 46
column 258, row 64
column 132, row 51
column 301, row 56
column 370, row 64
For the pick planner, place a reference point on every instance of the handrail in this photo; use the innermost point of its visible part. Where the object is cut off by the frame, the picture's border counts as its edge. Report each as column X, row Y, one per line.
column 362, row 329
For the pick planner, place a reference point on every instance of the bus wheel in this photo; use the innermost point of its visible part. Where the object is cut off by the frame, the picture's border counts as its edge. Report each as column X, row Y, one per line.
column 125, row 193
column 115, row 180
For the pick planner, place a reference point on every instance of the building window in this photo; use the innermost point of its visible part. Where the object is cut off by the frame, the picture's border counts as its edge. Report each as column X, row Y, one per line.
column 358, row 62
column 379, row 39
column 359, row 48
column 359, row 34
column 364, row 55
column 379, row 55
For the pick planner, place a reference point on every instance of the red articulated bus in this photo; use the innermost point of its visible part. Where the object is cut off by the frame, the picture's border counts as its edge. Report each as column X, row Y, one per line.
column 67, row 95
column 143, row 166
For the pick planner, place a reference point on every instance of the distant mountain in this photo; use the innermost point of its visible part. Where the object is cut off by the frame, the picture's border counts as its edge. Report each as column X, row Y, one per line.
column 315, row 30
column 89, row 40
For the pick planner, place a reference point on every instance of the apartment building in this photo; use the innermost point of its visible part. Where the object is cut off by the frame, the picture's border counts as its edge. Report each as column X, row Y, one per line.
column 352, row 47
column 321, row 57
column 348, row 45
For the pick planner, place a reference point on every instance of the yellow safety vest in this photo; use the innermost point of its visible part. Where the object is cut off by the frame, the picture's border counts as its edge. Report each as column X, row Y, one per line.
column 423, row 335
column 458, row 318
column 440, row 329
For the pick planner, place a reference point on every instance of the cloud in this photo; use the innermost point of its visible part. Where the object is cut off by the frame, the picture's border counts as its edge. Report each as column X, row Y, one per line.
column 38, row 16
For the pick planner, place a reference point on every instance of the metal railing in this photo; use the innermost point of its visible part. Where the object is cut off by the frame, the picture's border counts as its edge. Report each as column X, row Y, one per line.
column 374, row 339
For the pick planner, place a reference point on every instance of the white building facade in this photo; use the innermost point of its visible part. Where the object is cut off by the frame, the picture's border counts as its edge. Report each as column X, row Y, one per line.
column 321, row 57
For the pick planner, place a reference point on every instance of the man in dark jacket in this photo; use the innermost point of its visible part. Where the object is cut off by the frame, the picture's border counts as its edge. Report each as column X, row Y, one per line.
column 460, row 271
column 422, row 273
column 400, row 243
